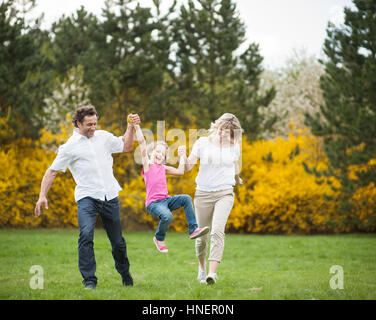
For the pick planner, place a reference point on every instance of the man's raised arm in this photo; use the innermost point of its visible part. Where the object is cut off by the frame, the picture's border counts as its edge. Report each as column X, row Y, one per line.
column 128, row 138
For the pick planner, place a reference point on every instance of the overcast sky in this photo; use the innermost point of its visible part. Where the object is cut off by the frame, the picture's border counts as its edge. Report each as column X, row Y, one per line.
column 278, row 26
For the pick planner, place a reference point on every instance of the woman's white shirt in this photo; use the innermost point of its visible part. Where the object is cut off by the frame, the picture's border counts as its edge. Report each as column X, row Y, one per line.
column 217, row 165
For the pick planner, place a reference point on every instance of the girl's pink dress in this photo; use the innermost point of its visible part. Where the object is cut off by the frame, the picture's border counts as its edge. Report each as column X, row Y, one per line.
column 156, row 183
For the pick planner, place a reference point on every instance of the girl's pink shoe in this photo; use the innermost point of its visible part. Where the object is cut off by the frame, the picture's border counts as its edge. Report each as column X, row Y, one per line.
column 199, row 232
column 159, row 247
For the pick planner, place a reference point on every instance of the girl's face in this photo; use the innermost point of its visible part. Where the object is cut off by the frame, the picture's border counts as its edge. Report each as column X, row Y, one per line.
column 158, row 155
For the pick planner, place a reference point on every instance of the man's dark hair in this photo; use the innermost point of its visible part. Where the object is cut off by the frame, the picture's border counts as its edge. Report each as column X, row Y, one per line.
column 81, row 112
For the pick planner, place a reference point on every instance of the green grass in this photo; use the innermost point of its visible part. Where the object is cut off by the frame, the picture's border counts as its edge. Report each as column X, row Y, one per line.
column 253, row 267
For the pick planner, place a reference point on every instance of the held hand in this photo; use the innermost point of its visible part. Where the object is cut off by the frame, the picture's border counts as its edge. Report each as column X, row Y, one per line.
column 133, row 119
column 182, row 151
column 130, row 119
column 136, row 119
column 41, row 202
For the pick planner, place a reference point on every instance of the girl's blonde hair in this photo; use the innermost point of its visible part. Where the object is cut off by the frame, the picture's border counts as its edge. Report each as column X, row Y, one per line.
column 152, row 145
column 230, row 122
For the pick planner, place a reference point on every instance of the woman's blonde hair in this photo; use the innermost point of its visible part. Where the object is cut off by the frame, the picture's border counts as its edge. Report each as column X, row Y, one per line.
column 152, row 145
column 230, row 122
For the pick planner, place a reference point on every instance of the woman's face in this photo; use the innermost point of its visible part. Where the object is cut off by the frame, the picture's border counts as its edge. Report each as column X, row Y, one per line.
column 225, row 134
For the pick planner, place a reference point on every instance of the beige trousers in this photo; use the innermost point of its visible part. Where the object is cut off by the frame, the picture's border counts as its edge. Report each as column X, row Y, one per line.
column 212, row 209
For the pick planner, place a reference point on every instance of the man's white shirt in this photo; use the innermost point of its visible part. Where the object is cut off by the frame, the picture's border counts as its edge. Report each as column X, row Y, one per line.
column 90, row 162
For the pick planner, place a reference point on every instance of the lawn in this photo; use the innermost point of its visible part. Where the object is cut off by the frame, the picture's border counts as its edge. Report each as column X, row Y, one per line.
column 254, row 267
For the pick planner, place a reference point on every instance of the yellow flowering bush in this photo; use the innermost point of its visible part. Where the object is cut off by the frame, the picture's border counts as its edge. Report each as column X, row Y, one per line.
column 278, row 195
column 364, row 200
column 23, row 164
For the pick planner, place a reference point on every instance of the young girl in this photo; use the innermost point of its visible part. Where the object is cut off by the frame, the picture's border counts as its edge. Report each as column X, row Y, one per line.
column 214, row 198
column 158, row 203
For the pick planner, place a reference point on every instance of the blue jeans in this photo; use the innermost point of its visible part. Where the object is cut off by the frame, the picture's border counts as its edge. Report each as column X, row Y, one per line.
column 162, row 209
column 87, row 209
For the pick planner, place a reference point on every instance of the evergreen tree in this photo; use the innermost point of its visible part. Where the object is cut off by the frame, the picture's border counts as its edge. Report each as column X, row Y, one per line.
column 347, row 121
column 24, row 73
column 140, row 66
column 212, row 78
column 246, row 100
column 126, row 59
column 78, row 40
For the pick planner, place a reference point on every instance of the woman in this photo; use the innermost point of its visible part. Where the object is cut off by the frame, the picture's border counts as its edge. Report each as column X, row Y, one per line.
column 214, row 197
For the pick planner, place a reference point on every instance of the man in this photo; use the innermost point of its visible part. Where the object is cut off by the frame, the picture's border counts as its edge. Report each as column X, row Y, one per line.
column 88, row 155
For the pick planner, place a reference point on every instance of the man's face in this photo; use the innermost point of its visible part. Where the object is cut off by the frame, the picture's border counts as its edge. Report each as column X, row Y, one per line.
column 88, row 126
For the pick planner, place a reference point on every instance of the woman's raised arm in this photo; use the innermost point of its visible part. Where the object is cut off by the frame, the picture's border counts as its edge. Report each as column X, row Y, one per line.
column 190, row 162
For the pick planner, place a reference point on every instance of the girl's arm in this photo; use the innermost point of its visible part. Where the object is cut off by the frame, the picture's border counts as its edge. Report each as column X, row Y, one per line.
column 179, row 171
column 141, row 141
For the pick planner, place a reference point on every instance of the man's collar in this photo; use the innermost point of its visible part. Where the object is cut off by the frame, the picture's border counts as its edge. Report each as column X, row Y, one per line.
column 76, row 135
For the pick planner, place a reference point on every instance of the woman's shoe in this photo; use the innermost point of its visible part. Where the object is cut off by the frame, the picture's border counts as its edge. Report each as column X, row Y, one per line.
column 211, row 278
column 201, row 277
